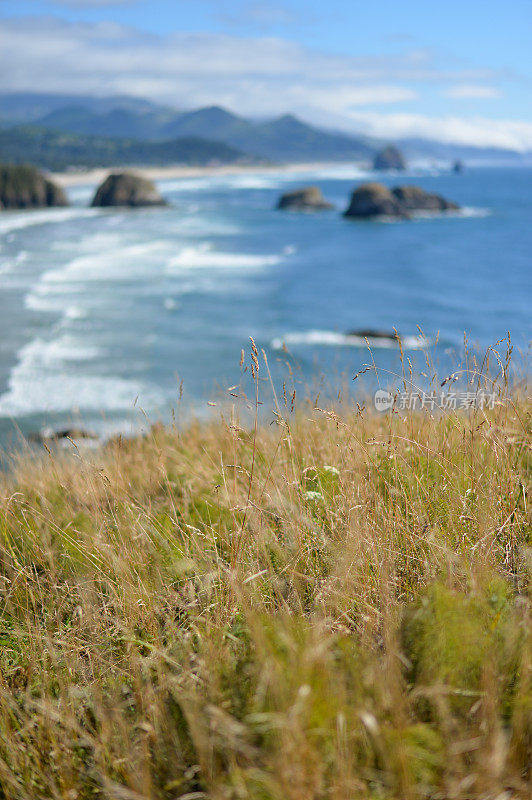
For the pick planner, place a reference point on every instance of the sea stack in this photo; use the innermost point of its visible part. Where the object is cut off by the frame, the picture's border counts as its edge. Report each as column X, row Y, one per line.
column 375, row 200
column 390, row 158
column 309, row 198
column 412, row 198
column 23, row 186
column 125, row 189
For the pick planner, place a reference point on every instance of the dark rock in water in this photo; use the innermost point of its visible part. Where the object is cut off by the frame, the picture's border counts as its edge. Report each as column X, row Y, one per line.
column 374, row 200
column 372, row 333
column 389, row 158
column 307, row 199
column 458, row 166
column 129, row 190
column 23, row 186
column 412, row 198
column 60, row 435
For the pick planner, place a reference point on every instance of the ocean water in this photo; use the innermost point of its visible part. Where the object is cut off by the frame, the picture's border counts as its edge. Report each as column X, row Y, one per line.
column 112, row 316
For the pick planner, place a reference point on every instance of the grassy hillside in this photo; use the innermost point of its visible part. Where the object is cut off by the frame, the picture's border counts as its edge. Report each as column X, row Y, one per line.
column 336, row 605
column 58, row 151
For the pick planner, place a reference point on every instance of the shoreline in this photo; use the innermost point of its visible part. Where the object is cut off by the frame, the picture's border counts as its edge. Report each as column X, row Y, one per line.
column 72, row 179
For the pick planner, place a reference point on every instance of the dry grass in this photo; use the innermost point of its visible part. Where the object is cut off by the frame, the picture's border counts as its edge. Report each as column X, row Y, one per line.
column 333, row 606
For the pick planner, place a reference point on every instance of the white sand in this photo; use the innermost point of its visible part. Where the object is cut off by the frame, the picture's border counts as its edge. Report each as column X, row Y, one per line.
column 95, row 176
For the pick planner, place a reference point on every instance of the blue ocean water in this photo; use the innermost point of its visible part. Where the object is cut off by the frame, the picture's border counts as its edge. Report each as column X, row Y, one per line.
column 104, row 312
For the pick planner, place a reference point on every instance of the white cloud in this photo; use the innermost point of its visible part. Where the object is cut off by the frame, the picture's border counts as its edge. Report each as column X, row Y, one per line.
column 256, row 76
column 192, row 68
column 469, row 91
column 481, row 131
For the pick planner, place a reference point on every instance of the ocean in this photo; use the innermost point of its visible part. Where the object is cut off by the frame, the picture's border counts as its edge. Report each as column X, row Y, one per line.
column 120, row 317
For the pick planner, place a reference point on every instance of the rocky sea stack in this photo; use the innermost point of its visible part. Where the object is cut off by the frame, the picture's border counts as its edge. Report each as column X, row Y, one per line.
column 129, row 190
column 24, row 186
column 308, row 199
column 376, row 200
column 412, row 198
column 389, row 158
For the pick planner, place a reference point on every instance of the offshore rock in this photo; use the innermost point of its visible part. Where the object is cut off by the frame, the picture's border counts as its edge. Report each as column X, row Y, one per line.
column 125, row 189
column 389, row 158
column 23, row 186
column 374, row 200
column 307, row 199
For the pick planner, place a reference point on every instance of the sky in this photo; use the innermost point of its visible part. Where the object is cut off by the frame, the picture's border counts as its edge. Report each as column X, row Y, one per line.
column 459, row 71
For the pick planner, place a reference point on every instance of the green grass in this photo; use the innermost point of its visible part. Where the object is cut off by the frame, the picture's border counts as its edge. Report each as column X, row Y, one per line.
column 334, row 606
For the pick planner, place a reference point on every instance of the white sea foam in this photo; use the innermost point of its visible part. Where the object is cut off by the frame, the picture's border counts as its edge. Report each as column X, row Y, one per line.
column 45, row 298
column 43, row 354
column 15, row 220
column 185, row 184
column 201, row 224
column 95, row 243
column 341, row 172
column 252, row 182
column 115, row 264
column 28, row 394
column 107, row 259
column 11, row 264
column 466, row 212
column 204, row 257
column 111, row 264
column 75, row 312
column 472, row 211
column 45, row 380
column 213, row 182
column 335, row 339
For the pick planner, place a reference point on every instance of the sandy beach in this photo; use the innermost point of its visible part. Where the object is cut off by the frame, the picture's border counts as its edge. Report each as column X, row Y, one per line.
column 81, row 178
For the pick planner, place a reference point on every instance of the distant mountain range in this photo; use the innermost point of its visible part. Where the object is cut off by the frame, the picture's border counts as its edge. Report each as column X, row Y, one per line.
column 100, row 131
column 282, row 139
column 20, row 107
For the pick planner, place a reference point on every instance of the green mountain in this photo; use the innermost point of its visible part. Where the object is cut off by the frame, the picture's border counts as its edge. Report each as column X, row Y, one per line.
column 205, row 121
column 59, row 151
column 121, row 123
column 284, row 139
column 289, row 139
column 30, row 107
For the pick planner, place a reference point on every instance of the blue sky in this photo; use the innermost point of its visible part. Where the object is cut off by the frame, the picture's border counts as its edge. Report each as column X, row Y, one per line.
column 460, row 71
